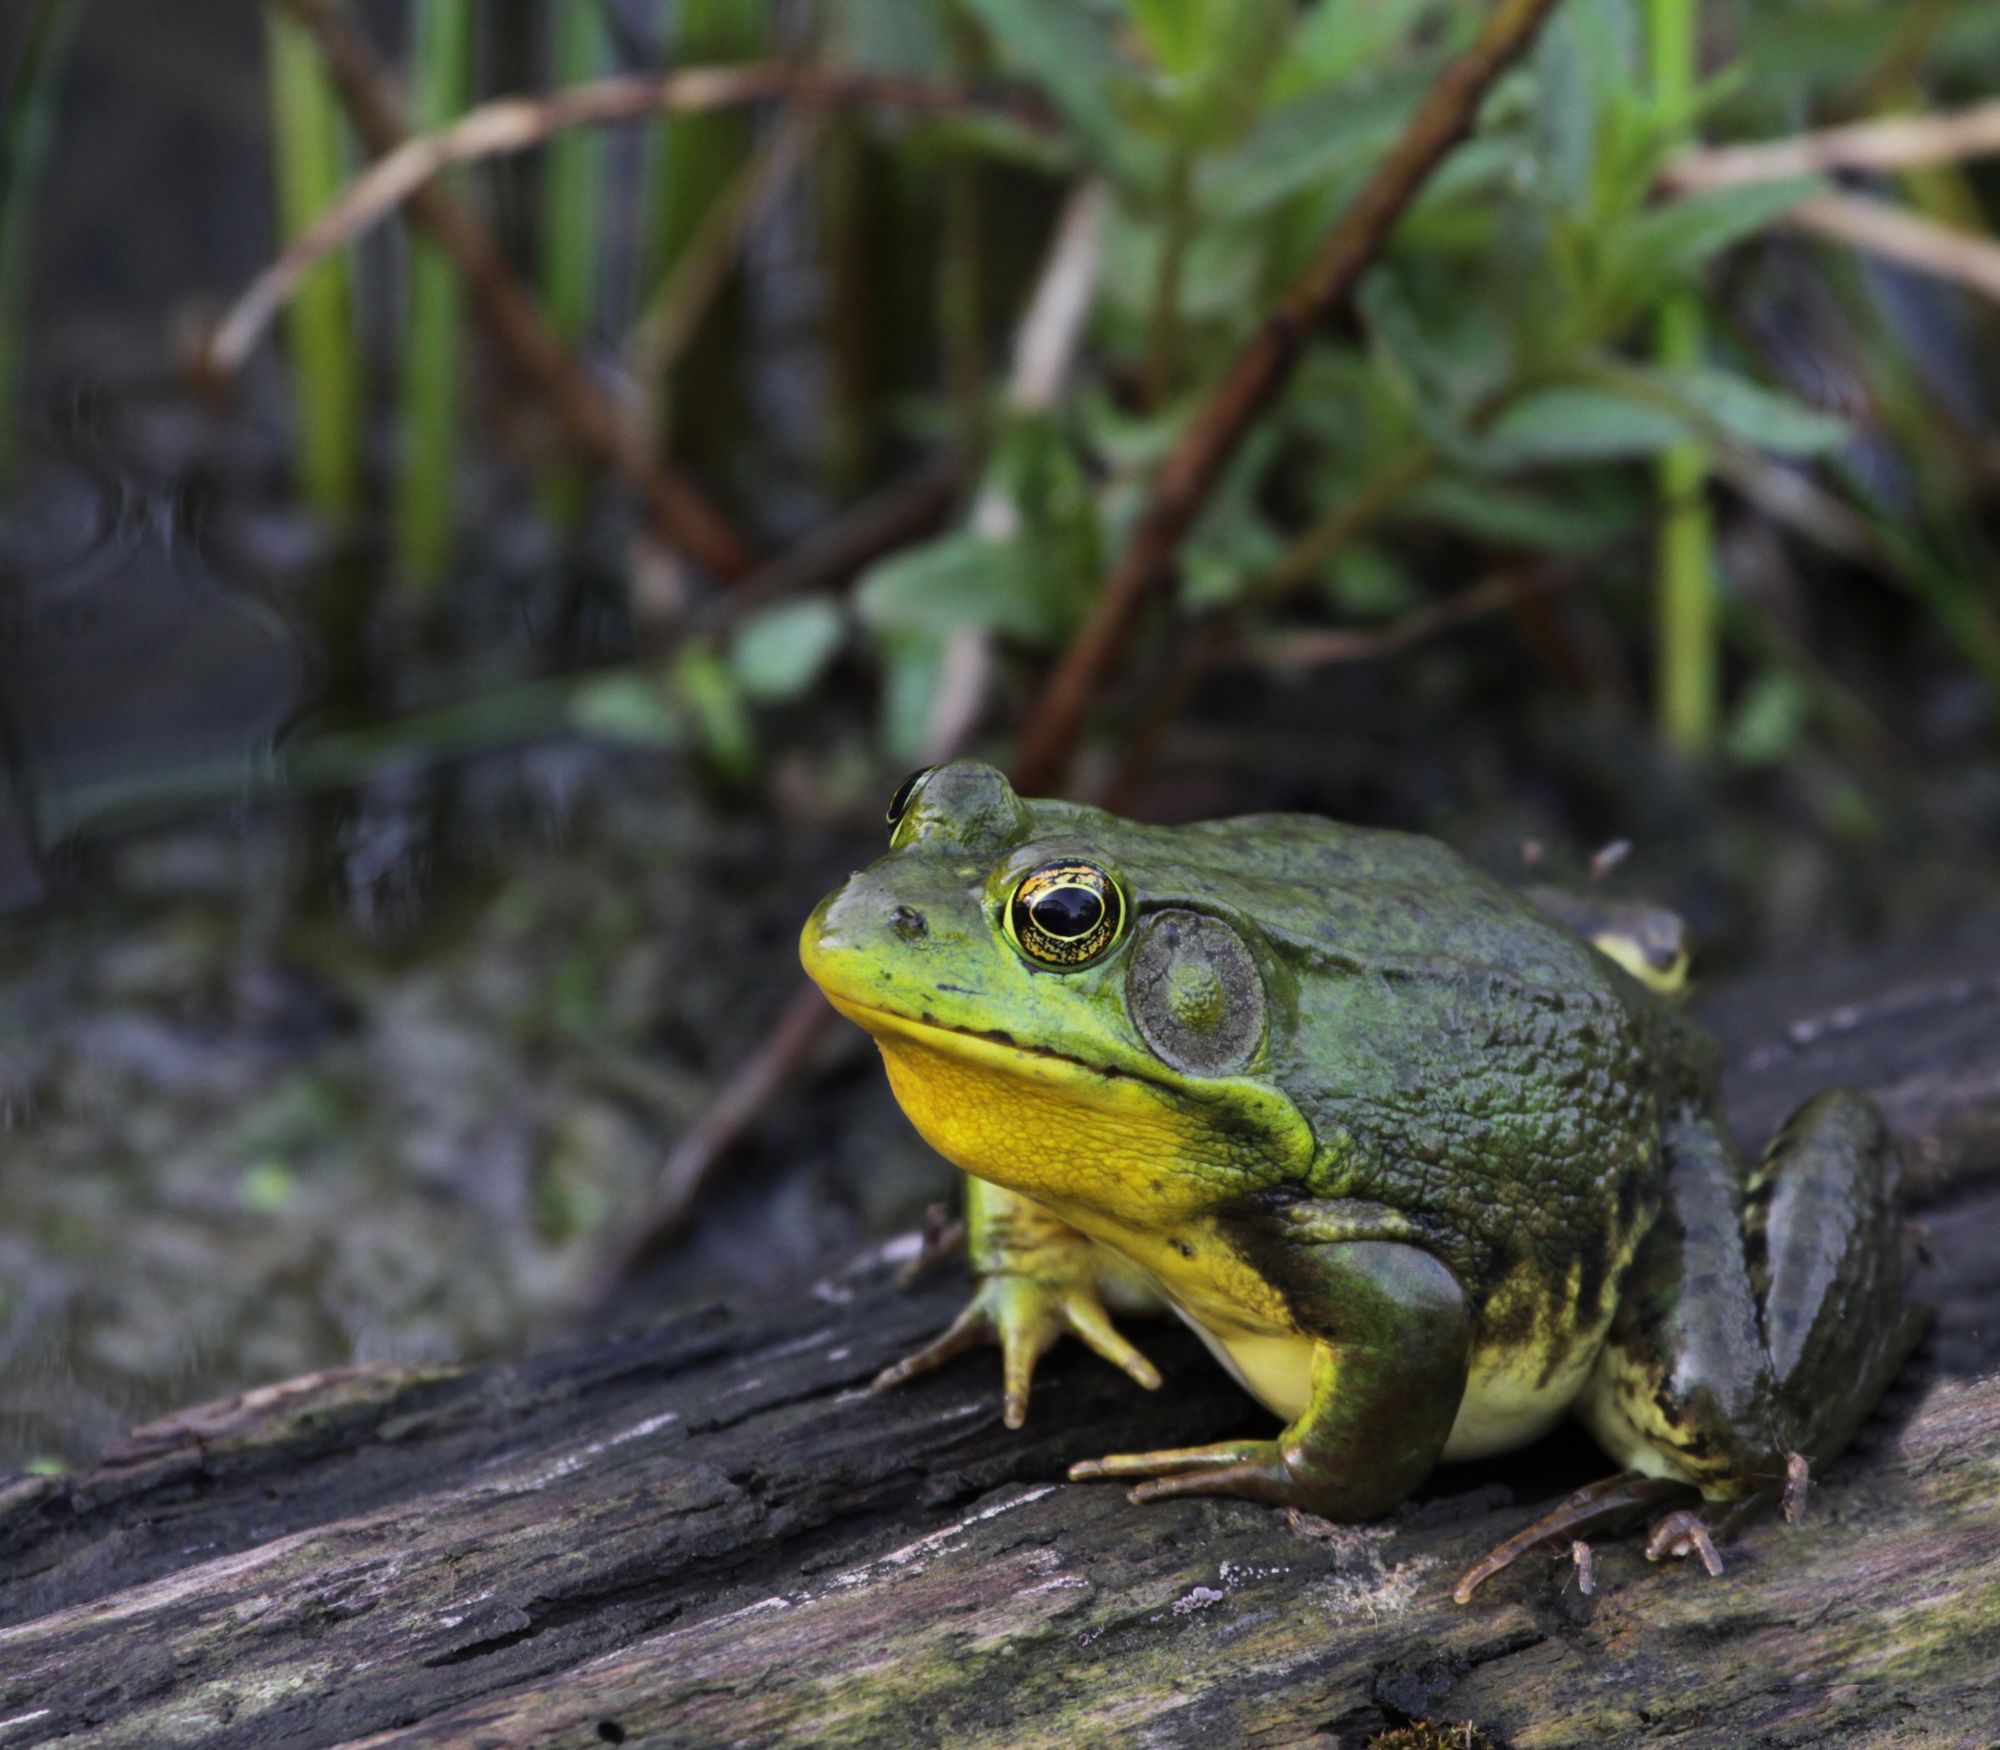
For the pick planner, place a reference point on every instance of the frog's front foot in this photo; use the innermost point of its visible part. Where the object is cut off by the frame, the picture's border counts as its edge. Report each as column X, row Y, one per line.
column 1258, row 1470
column 1025, row 1315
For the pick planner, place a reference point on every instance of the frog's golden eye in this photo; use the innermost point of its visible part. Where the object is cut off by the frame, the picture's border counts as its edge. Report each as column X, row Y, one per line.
column 906, row 793
column 1065, row 914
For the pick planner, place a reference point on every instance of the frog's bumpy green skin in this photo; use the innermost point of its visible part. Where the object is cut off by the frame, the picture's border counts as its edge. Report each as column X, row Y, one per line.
column 1422, row 1167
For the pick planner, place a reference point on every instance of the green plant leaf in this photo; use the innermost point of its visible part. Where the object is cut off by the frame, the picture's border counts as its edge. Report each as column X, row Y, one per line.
column 1338, row 39
column 957, row 582
column 1672, row 241
column 1504, row 514
column 911, row 665
column 778, row 653
column 1763, row 418
column 1771, row 720
column 1580, row 422
column 624, row 707
column 1067, row 51
column 708, row 693
column 1318, row 139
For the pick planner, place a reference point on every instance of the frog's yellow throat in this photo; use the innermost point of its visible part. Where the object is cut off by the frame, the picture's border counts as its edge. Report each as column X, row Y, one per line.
column 1094, row 1146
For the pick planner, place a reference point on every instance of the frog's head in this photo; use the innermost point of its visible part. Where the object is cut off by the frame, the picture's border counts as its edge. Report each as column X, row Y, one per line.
column 1062, row 1008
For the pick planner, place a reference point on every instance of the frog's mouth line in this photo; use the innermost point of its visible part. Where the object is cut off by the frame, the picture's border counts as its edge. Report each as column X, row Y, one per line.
column 986, row 1045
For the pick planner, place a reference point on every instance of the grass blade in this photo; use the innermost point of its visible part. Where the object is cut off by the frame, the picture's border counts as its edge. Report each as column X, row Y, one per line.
column 309, row 171
column 26, row 128
column 426, row 524
column 1688, row 675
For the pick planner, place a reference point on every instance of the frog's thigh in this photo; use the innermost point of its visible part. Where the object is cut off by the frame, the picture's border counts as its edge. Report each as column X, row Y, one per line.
column 1760, row 1320
column 1683, row 1388
column 1824, row 1236
column 1392, row 1340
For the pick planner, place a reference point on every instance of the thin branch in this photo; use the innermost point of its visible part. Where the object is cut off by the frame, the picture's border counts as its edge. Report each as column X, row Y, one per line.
column 513, row 124
column 894, row 515
column 1897, row 143
column 749, row 1089
column 690, row 287
column 1895, row 234
column 1261, row 370
column 1333, row 646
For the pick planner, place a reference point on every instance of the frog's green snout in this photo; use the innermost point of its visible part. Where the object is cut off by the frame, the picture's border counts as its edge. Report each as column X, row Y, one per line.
column 853, row 932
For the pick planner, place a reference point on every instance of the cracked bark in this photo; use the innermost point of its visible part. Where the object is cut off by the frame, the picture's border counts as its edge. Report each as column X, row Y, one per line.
column 705, row 1531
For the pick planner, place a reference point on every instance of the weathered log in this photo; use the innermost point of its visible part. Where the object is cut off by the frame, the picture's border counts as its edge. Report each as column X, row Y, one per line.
column 709, row 1532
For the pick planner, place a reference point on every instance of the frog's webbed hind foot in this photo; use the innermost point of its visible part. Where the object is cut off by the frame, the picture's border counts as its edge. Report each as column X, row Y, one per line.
column 1617, row 1502
column 1607, row 1505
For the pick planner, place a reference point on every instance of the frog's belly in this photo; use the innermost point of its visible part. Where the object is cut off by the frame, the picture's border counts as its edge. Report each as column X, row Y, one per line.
column 1511, row 1397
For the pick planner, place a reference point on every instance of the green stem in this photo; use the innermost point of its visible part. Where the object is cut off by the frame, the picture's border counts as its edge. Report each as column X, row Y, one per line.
column 310, row 171
column 26, row 125
column 1687, row 677
column 426, row 526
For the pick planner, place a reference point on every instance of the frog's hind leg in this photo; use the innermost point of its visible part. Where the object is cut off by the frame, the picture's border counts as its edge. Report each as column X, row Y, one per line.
column 1823, row 1233
column 1763, row 1318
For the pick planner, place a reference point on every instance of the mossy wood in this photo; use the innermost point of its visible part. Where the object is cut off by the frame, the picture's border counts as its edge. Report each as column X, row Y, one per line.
column 708, row 1532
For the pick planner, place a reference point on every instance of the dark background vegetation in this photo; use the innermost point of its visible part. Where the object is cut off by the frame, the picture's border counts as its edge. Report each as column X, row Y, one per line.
column 405, row 821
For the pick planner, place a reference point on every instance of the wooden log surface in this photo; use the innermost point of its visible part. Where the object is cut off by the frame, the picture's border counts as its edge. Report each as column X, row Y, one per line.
column 707, row 1531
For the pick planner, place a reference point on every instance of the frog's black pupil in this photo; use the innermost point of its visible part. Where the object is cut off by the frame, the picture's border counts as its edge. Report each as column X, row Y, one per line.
column 1067, row 912
column 900, row 802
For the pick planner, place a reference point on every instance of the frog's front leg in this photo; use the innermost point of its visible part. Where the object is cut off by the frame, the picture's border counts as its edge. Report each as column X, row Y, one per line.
column 1762, row 1320
column 1037, row 1278
column 1392, row 1339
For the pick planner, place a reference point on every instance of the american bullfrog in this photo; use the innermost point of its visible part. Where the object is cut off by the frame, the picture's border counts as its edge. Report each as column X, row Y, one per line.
column 1423, row 1168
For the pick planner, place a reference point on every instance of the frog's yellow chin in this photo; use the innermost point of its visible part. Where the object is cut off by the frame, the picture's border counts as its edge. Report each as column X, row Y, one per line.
column 1103, row 1150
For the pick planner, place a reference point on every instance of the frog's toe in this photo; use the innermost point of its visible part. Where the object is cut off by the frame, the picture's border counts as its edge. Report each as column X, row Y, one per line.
column 968, row 1331
column 1685, row 1533
column 1600, row 1506
column 1087, row 1318
column 1254, row 1469
column 1025, row 1315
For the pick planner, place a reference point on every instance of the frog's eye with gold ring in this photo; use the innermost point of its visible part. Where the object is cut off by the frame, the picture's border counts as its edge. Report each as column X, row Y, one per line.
column 1065, row 914
column 906, row 793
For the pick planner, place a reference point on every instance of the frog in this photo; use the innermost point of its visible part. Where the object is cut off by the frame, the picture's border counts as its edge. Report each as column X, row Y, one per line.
column 1425, row 1170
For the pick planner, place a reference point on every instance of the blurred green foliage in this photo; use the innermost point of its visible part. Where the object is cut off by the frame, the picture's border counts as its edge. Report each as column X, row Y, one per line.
column 1544, row 369
column 27, row 120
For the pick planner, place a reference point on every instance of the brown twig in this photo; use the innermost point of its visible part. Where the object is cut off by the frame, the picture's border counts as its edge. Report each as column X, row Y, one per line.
column 744, row 1096
column 1330, row 646
column 665, row 329
column 1205, row 449
column 891, row 517
column 513, row 124
column 1200, row 645
column 1897, row 143
column 1896, row 234
column 674, row 505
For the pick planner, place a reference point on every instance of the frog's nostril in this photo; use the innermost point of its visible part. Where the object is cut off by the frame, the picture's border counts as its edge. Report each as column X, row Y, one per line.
column 909, row 923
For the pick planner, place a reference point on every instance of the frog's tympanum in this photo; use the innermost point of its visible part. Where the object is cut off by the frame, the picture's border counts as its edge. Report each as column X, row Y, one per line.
column 1422, row 1167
